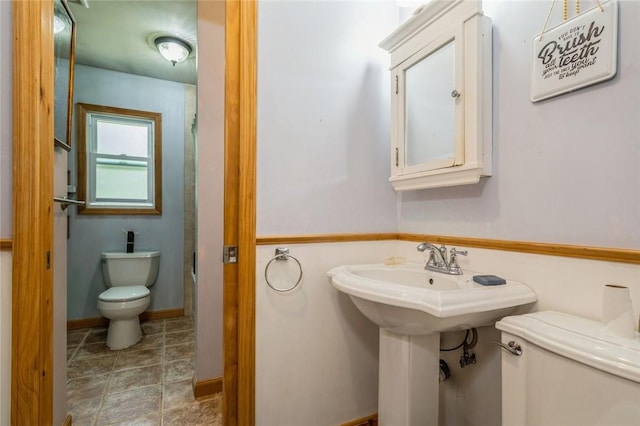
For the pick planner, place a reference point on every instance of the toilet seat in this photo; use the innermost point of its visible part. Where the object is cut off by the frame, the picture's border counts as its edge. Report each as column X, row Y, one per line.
column 124, row 294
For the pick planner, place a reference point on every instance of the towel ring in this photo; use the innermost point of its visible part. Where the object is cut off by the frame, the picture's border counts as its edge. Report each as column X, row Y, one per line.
column 282, row 254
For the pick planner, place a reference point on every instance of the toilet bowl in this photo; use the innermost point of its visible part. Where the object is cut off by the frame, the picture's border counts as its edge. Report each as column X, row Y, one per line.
column 558, row 369
column 127, row 276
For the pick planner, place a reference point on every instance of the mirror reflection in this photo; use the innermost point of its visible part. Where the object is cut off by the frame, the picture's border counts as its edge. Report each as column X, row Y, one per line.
column 429, row 109
column 63, row 72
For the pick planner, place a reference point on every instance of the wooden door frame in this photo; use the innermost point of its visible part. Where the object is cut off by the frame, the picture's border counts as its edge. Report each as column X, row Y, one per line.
column 32, row 279
column 240, row 208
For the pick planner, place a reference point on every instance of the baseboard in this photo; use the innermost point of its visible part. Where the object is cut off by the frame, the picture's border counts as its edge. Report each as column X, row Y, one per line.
column 168, row 313
column 206, row 388
column 68, row 421
column 371, row 420
column 103, row 322
column 87, row 323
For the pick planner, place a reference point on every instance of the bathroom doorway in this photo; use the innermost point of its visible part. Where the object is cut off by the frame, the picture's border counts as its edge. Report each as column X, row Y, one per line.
column 127, row 75
column 34, row 317
column 121, row 80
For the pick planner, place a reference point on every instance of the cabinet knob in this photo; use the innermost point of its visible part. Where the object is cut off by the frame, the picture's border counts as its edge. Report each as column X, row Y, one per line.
column 455, row 94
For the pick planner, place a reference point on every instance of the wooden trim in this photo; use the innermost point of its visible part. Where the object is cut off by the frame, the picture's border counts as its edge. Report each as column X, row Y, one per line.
column 551, row 249
column 72, row 61
column 607, row 254
column 32, row 287
column 206, row 388
column 165, row 314
column 103, row 322
column 328, row 238
column 81, row 140
column 239, row 221
column 87, row 323
column 371, row 420
column 117, row 212
column 6, row 244
column 247, row 212
column 231, row 209
column 68, row 421
column 81, row 154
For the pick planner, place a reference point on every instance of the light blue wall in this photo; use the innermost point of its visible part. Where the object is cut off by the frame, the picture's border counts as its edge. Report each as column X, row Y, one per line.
column 91, row 235
column 565, row 169
column 323, row 118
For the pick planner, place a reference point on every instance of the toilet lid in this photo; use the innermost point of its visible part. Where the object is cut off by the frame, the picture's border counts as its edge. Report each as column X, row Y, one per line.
column 124, row 294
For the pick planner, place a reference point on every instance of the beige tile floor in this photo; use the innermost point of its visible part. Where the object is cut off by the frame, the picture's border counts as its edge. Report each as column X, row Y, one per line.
column 149, row 383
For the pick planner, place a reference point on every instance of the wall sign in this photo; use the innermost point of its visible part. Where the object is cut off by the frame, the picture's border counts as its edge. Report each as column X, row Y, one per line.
column 577, row 53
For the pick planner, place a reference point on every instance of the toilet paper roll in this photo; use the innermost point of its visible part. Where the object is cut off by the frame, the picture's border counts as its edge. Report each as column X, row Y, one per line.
column 617, row 311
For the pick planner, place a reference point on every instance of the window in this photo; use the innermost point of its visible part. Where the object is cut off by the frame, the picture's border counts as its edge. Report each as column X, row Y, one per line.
column 119, row 160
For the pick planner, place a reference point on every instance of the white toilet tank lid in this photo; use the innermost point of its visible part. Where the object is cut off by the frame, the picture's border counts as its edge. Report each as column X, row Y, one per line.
column 579, row 339
column 124, row 294
column 123, row 255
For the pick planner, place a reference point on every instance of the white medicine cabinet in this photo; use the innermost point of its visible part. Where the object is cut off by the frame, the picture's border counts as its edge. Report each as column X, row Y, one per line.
column 441, row 96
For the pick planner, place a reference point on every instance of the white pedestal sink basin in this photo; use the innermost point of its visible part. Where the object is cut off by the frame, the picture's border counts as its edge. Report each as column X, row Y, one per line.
column 412, row 307
column 407, row 299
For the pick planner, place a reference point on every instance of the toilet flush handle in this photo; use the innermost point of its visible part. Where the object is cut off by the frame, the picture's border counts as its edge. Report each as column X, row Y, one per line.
column 512, row 347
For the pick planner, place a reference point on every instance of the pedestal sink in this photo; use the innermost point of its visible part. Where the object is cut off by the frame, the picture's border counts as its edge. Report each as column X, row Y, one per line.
column 412, row 307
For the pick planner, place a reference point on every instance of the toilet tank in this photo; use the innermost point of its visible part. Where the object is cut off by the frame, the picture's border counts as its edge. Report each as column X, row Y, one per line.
column 571, row 372
column 130, row 269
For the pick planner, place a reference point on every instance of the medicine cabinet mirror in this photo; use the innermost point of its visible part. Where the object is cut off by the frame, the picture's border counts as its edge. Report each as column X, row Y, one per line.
column 441, row 96
column 64, row 29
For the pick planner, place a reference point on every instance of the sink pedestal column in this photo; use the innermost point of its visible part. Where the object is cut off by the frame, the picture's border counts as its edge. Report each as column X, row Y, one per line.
column 409, row 368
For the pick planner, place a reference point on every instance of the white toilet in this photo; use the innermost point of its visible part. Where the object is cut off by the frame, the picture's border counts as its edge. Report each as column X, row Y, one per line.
column 127, row 276
column 571, row 372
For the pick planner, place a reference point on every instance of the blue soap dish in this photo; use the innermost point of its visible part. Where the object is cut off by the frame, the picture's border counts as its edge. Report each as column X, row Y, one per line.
column 489, row 280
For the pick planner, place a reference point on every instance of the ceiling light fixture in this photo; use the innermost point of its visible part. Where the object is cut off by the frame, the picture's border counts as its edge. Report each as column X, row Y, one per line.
column 173, row 49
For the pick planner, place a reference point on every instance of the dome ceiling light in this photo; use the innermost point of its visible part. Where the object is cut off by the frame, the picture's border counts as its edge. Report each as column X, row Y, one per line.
column 173, row 49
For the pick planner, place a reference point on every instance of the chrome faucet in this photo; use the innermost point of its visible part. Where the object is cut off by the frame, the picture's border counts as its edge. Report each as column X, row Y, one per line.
column 437, row 256
column 438, row 259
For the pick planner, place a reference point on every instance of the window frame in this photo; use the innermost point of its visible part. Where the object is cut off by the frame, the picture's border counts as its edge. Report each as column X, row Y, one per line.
column 84, row 155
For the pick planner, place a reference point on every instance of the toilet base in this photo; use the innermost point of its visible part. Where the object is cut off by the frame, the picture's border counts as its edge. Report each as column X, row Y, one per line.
column 123, row 333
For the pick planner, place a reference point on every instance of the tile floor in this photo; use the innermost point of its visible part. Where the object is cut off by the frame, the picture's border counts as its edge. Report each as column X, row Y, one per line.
column 149, row 383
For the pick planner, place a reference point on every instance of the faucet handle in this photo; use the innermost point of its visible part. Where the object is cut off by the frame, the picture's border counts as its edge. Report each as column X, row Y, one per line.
column 453, row 267
column 453, row 252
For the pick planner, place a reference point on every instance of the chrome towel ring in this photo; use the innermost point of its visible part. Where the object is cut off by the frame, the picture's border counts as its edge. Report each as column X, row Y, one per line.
column 282, row 254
